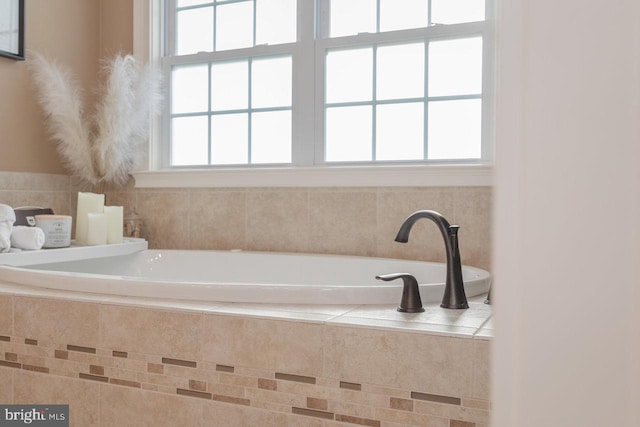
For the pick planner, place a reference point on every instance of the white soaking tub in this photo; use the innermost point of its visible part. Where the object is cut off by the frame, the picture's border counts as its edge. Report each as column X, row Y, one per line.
column 237, row 276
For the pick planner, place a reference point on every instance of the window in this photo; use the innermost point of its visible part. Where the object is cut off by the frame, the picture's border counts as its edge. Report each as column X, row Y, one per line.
column 231, row 112
column 326, row 82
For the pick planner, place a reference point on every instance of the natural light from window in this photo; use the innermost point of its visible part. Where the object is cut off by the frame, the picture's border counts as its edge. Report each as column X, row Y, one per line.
column 376, row 82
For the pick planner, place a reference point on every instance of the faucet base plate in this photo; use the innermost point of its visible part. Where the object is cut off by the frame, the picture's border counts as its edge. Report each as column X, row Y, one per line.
column 411, row 310
column 455, row 306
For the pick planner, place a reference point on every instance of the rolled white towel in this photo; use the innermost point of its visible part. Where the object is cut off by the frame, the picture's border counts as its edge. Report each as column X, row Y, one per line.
column 28, row 238
column 7, row 218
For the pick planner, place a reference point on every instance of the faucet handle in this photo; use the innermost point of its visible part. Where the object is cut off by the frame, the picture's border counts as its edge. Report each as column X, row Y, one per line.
column 411, row 301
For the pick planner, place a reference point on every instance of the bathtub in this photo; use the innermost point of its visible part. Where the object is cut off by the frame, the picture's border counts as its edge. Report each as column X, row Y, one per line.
column 236, row 276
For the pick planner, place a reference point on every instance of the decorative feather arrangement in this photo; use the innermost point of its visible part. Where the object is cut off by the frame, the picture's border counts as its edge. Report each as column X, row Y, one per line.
column 112, row 147
column 61, row 99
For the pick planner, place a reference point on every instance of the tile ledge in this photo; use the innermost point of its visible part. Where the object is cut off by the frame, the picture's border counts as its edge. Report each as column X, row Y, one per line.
column 292, row 313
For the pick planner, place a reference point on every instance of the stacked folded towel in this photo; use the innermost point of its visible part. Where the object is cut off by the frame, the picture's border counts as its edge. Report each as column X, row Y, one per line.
column 28, row 238
column 7, row 218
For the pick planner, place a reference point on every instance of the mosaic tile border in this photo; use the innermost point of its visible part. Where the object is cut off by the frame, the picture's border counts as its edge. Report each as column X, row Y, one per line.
column 314, row 397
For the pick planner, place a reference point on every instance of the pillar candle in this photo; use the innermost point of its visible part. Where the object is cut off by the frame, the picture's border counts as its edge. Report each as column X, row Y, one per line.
column 115, row 224
column 87, row 203
column 96, row 228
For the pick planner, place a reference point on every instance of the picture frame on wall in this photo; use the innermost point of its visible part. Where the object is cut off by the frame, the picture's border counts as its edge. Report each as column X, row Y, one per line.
column 12, row 29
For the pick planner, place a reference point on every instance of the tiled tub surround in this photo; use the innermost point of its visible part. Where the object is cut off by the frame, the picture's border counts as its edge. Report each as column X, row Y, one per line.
column 349, row 221
column 255, row 365
column 124, row 361
column 36, row 189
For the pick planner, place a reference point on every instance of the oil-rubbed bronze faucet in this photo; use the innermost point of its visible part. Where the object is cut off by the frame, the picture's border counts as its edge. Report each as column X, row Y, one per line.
column 454, row 296
column 411, row 301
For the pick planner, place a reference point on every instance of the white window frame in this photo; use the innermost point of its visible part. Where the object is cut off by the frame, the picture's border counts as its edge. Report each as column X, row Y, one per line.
column 307, row 168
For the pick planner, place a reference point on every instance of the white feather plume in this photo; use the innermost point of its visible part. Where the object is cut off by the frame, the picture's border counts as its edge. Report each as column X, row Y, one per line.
column 114, row 115
column 131, row 95
column 61, row 99
column 122, row 118
column 148, row 99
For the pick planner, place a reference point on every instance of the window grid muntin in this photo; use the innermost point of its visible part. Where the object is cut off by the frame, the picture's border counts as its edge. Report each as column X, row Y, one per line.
column 250, row 110
column 215, row 4
column 312, row 42
column 426, row 100
column 324, row 19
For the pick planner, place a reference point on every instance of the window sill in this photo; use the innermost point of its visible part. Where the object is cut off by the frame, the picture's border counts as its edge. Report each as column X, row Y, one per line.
column 331, row 176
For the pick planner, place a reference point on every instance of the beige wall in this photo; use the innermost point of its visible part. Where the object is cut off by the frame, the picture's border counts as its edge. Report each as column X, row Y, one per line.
column 75, row 33
column 567, row 258
column 116, row 27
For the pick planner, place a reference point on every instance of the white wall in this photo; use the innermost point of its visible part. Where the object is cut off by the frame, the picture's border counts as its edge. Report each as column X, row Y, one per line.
column 567, row 214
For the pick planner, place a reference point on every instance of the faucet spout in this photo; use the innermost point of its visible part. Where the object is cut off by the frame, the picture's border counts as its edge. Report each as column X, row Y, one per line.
column 454, row 295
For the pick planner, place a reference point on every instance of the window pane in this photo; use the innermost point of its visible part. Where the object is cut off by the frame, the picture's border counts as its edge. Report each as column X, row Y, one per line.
column 275, row 21
column 271, row 82
column 400, row 131
column 348, row 134
column 185, row 3
column 349, row 75
column 229, row 85
column 456, row 11
column 189, row 89
column 401, row 15
column 194, row 32
column 190, row 141
column 455, row 67
column 271, row 137
column 229, row 139
column 400, row 71
column 348, row 17
column 234, row 25
column 455, row 129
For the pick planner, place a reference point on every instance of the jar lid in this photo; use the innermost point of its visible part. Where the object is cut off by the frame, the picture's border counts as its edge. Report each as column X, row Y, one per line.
column 52, row 217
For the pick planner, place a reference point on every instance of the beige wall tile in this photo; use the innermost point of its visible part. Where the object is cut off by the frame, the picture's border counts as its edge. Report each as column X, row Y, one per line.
column 59, row 321
column 83, row 397
column 6, row 385
column 446, row 364
column 473, row 212
column 357, row 221
column 166, row 218
column 454, row 412
column 343, row 222
column 304, row 421
column 277, row 220
column 383, row 358
column 361, row 355
column 354, row 410
column 281, row 346
column 217, row 219
column 482, row 369
column 276, row 398
column 125, row 406
column 409, row 419
column 6, row 315
column 166, row 333
column 225, row 415
column 126, row 199
column 59, row 201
